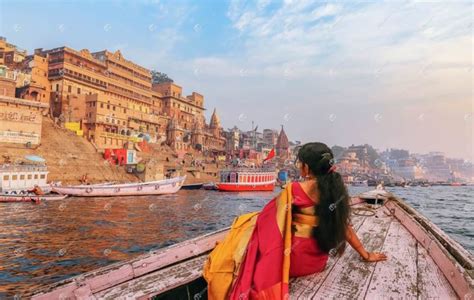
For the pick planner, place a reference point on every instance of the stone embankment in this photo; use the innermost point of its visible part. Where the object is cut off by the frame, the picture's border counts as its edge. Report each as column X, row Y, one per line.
column 69, row 157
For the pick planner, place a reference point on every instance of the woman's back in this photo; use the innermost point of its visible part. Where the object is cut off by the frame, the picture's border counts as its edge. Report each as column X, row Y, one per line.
column 306, row 256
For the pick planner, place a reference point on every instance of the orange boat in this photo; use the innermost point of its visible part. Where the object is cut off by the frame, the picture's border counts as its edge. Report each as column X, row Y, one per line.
column 247, row 179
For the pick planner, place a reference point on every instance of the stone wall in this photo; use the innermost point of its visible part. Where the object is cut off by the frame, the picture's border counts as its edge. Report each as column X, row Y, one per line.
column 20, row 121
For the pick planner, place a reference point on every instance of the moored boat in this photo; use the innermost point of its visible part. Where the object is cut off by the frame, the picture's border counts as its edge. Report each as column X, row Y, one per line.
column 360, row 183
column 31, row 198
column 194, row 186
column 167, row 186
column 210, row 186
column 423, row 263
column 17, row 179
column 247, row 179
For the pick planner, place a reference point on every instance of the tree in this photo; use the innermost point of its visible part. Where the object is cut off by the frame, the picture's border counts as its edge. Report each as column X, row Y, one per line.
column 337, row 151
column 158, row 77
column 372, row 155
column 399, row 154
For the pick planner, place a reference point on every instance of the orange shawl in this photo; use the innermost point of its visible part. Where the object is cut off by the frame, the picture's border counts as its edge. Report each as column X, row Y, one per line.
column 264, row 272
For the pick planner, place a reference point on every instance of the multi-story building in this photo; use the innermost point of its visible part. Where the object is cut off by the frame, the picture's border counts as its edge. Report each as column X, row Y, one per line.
column 112, row 98
column 73, row 75
column 32, row 79
column 186, row 110
column 437, row 167
column 7, row 83
column 29, row 73
column 270, row 137
column 233, row 139
column 361, row 152
column 407, row 168
column 188, row 129
column 348, row 163
column 20, row 120
column 10, row 55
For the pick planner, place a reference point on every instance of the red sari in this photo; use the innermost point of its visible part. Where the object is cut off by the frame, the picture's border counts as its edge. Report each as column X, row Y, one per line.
column 281, row 246
column 306, row 257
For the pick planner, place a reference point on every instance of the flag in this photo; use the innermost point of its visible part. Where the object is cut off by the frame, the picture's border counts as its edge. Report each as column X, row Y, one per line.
column 270, row 155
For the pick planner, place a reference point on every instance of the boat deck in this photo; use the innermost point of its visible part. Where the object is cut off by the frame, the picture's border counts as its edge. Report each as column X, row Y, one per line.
column 410, row 272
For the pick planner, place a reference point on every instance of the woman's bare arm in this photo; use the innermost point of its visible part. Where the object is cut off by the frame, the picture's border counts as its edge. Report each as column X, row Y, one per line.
column 353, row 240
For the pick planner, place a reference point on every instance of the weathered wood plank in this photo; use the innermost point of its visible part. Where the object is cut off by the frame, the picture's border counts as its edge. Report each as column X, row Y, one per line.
column 350, row 276
column 432, row 284
column 156, row 282
column 109, row 276
column 456, row 274
column 463, row 256
column 400, row 268
column 304, row 287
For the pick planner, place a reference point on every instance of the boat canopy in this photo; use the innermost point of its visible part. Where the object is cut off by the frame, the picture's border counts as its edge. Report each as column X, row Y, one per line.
column 247, row 176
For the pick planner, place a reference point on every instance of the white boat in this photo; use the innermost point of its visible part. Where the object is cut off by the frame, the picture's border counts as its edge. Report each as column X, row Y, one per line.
column 17, row 179
column 31, row 198
column 167, row 186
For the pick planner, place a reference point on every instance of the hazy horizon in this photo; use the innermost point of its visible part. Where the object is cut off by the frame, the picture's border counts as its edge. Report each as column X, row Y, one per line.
column 392, row 75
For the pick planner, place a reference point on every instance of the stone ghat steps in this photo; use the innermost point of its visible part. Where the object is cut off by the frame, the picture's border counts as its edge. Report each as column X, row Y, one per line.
column 68, row 157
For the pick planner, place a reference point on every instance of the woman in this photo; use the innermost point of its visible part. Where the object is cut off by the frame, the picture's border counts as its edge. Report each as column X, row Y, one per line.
column 292, row 236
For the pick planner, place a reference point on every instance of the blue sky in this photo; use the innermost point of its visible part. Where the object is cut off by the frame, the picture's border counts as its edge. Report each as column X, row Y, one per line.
column 392, row 74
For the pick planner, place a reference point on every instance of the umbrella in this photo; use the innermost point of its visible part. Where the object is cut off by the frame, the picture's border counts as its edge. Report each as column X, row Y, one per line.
column 35, row 158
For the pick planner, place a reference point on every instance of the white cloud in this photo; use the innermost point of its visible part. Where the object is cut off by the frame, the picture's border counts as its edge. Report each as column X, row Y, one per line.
column 312, row 59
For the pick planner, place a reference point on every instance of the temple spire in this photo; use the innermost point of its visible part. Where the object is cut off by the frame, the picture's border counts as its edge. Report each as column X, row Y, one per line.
column 215, row 122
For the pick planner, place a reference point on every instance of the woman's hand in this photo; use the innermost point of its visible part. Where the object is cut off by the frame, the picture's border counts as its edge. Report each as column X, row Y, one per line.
column 374, row 257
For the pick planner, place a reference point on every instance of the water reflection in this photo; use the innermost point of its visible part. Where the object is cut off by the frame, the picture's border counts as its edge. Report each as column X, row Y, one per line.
column 41, row 244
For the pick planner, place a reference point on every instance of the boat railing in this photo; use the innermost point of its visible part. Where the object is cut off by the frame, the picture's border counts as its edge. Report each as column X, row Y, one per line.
column 250, row 170
column 23, row 168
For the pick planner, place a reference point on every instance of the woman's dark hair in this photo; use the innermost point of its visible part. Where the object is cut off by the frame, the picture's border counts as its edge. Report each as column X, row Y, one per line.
column 333, row 206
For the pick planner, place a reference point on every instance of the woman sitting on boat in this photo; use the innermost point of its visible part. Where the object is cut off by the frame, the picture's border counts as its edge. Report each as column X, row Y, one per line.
column 292, row 236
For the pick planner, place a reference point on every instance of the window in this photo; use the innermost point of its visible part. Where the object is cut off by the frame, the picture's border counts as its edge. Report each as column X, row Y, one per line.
column 108, row 106
column 124, row 111
column 36, row 176
column 42, row 176
column 78, row 91
column 113, row 107
column 69, row 88
column 6, row 177
column 14, row 177
column 57, row 87
column 102, row 105
column 22, row 177
column 30, row 176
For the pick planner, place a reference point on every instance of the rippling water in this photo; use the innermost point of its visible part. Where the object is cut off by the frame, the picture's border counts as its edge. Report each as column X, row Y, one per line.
column 41, row 244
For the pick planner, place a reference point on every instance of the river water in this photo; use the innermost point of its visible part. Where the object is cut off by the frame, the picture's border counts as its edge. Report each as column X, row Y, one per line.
column 41, row 244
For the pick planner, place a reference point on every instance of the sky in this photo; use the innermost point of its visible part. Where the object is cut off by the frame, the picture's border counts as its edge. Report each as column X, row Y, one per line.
column 394, row 74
